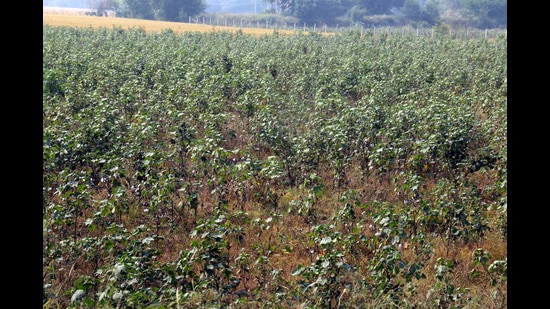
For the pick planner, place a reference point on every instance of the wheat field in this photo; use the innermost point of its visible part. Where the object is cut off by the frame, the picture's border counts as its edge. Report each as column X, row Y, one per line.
column 77, row 18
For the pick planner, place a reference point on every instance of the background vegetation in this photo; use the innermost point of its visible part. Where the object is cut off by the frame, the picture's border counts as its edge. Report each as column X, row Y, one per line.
column 221, row 169
column 480, row 14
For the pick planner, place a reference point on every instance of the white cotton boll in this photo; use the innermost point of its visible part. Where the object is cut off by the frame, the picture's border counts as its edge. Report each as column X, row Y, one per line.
column 77, row 296
column 118, row 296
column 119, row 270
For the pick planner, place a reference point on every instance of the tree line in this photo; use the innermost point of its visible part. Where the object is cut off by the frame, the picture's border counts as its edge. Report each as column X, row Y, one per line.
column 475, row 13
column 481, row 14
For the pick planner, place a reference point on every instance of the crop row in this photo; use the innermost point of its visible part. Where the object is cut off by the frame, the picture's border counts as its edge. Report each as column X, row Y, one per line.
column 222, row 169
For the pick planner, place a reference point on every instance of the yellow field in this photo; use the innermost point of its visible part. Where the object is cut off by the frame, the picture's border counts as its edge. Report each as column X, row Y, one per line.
column 77, row 18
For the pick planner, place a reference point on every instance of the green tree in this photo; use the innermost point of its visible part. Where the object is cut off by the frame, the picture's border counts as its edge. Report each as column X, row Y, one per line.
column 429, row 14
column 356, row 13
column 319, row 11
column 305, row 10
column 379, row 7
column 432, row 10
column 486, row 13
column 178, row 10
column 169, row 10
column 285, row 7
column 412, row 10
column 141, row 9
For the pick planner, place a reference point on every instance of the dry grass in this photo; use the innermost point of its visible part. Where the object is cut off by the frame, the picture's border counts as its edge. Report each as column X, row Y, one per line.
column 77, row 18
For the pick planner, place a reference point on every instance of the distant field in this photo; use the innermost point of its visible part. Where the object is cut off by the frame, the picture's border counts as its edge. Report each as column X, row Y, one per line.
column 63, row 10
column 58, row 16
